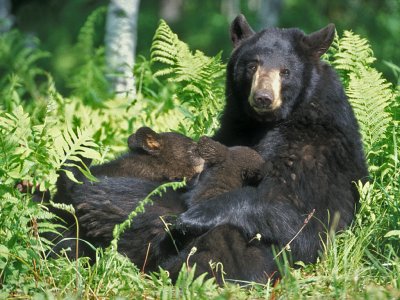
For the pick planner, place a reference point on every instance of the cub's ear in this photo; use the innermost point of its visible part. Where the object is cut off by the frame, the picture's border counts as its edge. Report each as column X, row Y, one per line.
column 319, row 42
column 240, row 30
column 146, row 139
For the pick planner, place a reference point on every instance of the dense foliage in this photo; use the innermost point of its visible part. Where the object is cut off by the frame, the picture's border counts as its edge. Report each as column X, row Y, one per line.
column 203, row 25
column 40, row 130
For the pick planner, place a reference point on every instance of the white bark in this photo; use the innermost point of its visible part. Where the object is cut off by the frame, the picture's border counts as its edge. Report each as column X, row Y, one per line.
column 268, row 14
column 120, row 39
column 230, row 8
column 6, row 19
column 171, row 10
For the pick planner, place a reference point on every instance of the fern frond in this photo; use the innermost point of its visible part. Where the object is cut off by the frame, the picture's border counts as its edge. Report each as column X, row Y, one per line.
column 119, row 229
column 187, row 67
column 199, row 79
column 352, row 53
column 166, row 46
column 71, row 146
column 35, row 152
column 89, row 81
column 370, row 96
column 87, row 34
column 19, row 55
column 17, row 124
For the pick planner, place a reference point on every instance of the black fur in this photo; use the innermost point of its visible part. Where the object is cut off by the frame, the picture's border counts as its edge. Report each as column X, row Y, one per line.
column 312, row 148
column 100, row 206
column 158, row 157
column 103, row 205
column 226, row 169
column 153, row 159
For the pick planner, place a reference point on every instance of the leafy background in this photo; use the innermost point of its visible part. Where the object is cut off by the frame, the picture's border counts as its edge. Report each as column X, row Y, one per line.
column 41, row 127
column 204, row 25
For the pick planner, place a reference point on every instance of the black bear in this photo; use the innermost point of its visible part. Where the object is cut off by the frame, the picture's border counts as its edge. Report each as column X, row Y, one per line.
column 290, row 106
column 102, row 205
column 153, row 159
column 146, row 242
column 226, row 169
column 159, row 157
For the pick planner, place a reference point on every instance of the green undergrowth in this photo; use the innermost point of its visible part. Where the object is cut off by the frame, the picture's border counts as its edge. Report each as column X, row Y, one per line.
column 183, row 90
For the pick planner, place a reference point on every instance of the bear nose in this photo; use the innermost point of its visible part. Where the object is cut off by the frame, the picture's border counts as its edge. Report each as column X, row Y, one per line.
column 263, row 98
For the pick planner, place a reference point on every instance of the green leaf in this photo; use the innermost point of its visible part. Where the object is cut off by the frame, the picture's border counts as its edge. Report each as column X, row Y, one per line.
column 395, row 233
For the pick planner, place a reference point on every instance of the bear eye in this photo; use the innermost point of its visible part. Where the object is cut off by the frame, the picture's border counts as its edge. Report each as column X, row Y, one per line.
column 285, row 72
column 252, row 67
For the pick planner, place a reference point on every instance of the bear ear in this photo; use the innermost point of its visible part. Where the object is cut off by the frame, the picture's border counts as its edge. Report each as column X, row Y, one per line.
column 319, row 42
column 240, row 30
column 146, row 139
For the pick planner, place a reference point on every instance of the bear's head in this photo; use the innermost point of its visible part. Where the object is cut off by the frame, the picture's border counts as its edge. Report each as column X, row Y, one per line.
column 270, row 70
column 225, row 169
column 170, row 155
column 241, row 162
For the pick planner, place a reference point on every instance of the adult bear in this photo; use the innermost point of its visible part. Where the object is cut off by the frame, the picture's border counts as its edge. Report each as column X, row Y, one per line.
column 290, row 106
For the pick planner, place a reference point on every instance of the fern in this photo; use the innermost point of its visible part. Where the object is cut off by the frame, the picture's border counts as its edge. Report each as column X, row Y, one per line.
column 199, row 80
column 119, row 229
column 70, row 147
column 88, row 33
column 369, row 94
column 374, row 102
column 352, row 53
column 35, row 152
column 88, row 81
column 19, row 56
column 14, row 130
column 32, row 150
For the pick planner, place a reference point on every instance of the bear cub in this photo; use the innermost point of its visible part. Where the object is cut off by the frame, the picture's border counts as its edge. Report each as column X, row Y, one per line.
column 166, row 156
column 157, row 157
column 153, row 158
column 226, row 169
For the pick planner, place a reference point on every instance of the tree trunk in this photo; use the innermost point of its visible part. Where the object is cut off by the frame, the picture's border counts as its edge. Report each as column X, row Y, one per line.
column 171, row 10
column 230, row 8
column 120, row 39
column 268, row 13
column 6, row 19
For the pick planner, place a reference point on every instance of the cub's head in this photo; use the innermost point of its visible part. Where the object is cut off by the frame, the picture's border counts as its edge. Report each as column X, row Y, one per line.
column 174, row 154
column 239, row 161
column 269, row 70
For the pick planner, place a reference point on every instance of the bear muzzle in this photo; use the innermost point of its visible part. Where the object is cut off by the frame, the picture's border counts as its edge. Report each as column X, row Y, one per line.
column 263, row 99
column 265, row 92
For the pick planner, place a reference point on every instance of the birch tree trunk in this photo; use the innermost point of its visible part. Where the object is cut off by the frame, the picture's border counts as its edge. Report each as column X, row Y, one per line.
column 120, row 40
column 6, row 19
column 171, row 10
column 230, row 8
column 268, row 14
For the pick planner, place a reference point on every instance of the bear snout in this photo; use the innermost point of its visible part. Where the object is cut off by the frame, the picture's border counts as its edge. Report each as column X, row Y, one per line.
column 265, row 91
column 263, row 99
